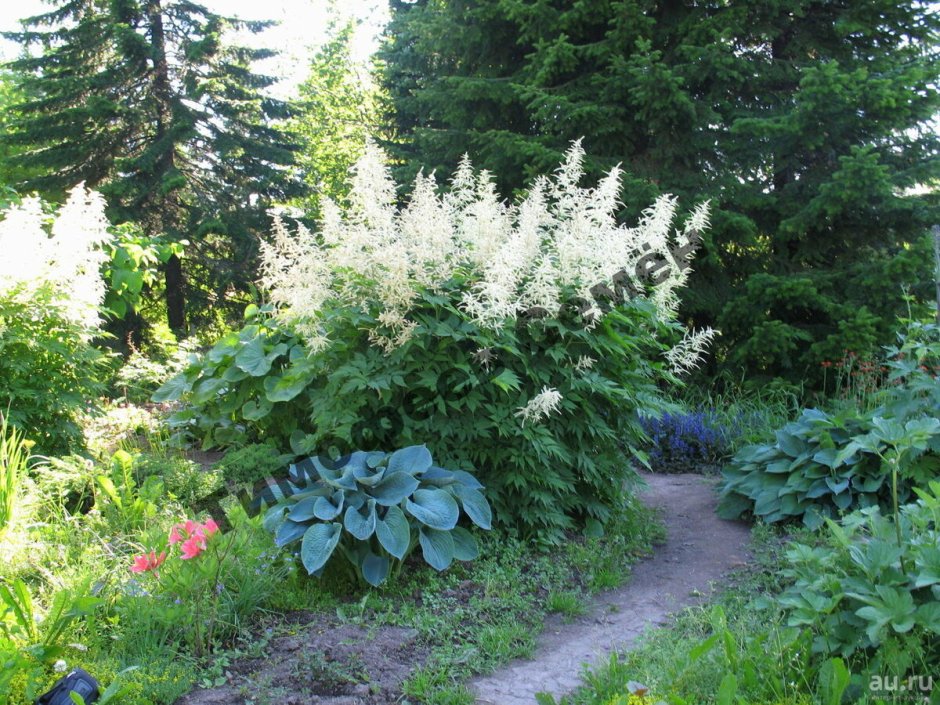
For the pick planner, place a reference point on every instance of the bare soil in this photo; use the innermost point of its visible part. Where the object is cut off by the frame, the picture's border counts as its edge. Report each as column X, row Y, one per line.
column 325, row 662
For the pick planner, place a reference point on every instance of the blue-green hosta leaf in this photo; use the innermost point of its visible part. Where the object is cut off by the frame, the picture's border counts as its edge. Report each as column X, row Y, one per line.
column 394, row 532
column 465, row 478
column 375, row 569
column 465, row 545
column 393, row 488
column 318, row 545
column 341, row 477
column 437, row 547
column 375, row 459
column 288, row 532
column 251, row 359
column 359, row 523
column 439, row 477
column 475, row 505
column 273, row 518
column 368, row 476
column 304, row 510
column 434, row 508
column 255, row 410
column 326, row 509
column 412, row 460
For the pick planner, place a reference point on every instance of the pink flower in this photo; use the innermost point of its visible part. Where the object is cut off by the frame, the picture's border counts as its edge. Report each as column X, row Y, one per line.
column 193, row 546
column 175, row 535
column 145, row 562
column 210, row 527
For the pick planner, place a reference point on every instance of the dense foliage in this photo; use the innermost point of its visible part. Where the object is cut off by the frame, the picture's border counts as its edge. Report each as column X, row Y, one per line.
column 412, row 328
column 145, row 102
column 860, row 591
column 375, row 509
column 826, row 463
column 807, row 122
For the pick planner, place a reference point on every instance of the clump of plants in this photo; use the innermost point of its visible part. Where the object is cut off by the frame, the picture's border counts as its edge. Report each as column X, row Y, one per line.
column 686, row 441
column 824, row 464
column 871, row 589
column 375, row 509
column 524, row 342
column 251, row 463
column 50, row 294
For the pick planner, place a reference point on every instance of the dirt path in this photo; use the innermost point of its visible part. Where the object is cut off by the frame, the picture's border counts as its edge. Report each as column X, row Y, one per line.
column 699, row 549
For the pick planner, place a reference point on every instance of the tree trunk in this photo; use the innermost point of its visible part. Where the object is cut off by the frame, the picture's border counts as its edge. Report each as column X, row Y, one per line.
column 167, row 205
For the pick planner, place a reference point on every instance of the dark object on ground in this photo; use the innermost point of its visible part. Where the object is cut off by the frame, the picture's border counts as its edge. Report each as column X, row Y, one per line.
column 79, row 682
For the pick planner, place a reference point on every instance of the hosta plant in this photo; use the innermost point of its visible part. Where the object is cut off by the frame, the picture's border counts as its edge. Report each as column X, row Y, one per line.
column 374, row 509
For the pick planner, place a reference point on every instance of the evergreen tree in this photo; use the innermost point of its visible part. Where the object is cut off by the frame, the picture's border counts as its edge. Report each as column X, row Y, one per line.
column 806, row 122
column 338, row 108
column 144, row 101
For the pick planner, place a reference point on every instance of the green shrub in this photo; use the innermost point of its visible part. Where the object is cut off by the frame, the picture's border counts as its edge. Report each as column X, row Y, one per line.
column 523, row 342
column 824, row 464
column 863, row 594
column 389, row 504
column 251, row 463
column 49, row 372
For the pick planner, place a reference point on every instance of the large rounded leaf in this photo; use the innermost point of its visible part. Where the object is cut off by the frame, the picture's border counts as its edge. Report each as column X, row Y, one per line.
column 375, row 569
column 256, row 409
column 412, row 460
column 304, row 509
column 318, row 545
column 252, row 359
column 475, row 505
column 360, row 522
column 394, row 533
column 465, row 478
column 288, row 532
column 326, row 509
column 394, row 488
column 434, row 508
column 437, row 548
column 465, row 546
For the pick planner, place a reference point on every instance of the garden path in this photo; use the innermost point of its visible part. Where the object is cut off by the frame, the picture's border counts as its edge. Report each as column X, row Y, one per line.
column 699, row 549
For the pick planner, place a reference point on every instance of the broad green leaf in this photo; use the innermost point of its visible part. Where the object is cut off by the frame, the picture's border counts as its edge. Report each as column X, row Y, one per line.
column 508, row 381
column 475, row 505
column 318, row 545
column 727, row 689
column 394, row 532
column 173, row 389
column 256, row 410
column 437, row 547
column 465, row 545
column 394, row 488
column 412, row 460
column 252, row 359
column 434, row 508
column 375, row 569
column 359, row 523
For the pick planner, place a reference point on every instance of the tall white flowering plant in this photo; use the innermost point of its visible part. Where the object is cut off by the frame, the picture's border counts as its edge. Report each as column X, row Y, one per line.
column 51, row 292
column 521, row 341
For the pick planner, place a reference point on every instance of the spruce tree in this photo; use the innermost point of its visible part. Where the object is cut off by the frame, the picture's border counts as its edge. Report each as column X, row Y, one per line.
column 146, row 102
column 806, row 122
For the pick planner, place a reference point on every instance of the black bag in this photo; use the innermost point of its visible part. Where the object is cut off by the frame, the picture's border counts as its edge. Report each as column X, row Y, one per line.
column 79, row 682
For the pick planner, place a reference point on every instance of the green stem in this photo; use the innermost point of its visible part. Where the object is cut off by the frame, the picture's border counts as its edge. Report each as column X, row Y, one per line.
column 897, row 514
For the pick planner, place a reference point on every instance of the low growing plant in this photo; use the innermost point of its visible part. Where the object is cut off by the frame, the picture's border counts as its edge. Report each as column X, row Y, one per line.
column 14, row 455
column 375, row 509
column 824, row 464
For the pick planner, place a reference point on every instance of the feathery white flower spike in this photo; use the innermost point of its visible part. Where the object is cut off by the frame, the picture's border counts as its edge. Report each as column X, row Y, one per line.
column 687, row 354
column 540, row 406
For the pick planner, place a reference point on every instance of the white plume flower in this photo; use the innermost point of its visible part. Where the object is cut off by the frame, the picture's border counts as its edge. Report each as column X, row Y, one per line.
column 687, row 354
column 560, row 240
column 68, row 258
column 541, row 405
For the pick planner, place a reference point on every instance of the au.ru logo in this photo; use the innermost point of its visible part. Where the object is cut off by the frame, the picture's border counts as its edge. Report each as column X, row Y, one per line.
column 916, row 689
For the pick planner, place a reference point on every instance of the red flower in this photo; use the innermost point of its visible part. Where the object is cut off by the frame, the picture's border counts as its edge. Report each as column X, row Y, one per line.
column 145, row 562
column 193, row 546
column 826, row 363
